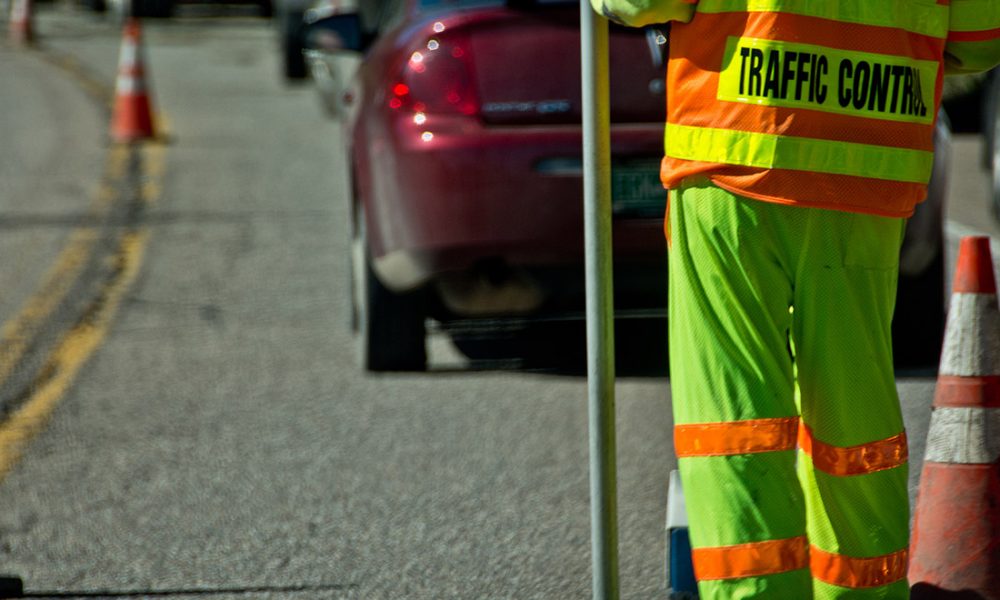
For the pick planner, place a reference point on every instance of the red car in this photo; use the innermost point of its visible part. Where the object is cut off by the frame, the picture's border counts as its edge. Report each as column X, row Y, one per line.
column 465, row 149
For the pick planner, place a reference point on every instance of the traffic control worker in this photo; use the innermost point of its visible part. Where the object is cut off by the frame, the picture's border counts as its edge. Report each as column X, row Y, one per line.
column 798, row 140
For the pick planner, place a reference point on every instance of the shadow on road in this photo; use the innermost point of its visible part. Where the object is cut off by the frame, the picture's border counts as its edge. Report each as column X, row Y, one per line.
column 560, row 348
column 926, row 591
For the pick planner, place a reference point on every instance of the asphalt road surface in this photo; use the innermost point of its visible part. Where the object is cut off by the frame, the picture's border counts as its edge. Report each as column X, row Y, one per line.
column 176, row 317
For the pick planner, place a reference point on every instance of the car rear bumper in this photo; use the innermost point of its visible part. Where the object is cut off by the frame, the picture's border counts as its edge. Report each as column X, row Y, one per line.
column 449, row 196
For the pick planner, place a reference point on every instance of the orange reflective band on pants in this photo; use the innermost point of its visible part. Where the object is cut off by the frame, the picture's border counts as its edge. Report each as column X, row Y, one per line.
column 750, row 560
column 775, row 435
column 857, row 573
column 757, row 559
column 735, row 437
column 875, row 456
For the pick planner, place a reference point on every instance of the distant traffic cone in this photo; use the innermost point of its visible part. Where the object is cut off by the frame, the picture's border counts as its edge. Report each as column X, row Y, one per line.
column 20, row 28
column 132, row 118
column 955, row 552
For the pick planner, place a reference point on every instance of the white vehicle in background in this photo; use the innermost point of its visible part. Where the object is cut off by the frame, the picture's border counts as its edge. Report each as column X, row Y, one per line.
column 292, row 17
column 330, row 64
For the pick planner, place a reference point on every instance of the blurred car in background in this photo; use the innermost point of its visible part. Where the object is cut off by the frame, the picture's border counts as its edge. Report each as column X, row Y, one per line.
column 973, row 104
column 163, row 9
column 291, row 19
column 918, row 323
column 463, row 125
column 990, row 124
column 329, row 65
column 288, row 15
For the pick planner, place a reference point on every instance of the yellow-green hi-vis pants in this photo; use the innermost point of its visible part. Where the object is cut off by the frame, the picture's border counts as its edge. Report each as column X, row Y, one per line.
column 788, row 429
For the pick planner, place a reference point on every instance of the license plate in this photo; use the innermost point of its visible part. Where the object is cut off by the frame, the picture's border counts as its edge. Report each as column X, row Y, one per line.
column 636, row 190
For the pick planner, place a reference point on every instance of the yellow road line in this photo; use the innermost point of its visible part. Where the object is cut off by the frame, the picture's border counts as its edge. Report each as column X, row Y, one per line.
column 154, row 166
column 91, row 85
column 69, row 356
column 77, row 345
column 17, row 333
column 72, row 351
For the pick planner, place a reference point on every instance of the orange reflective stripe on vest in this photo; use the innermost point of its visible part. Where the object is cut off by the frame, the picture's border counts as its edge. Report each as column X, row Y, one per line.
column 735, row 437
column 750, row 560
column 849, row 572
column 854, row 460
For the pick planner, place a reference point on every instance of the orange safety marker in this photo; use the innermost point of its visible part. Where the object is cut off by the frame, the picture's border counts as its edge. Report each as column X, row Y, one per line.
column 20, row 29
column 956, row 530
column 132, row 117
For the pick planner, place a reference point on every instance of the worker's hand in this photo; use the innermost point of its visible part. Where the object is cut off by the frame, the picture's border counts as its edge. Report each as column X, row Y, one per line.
column 638, row 13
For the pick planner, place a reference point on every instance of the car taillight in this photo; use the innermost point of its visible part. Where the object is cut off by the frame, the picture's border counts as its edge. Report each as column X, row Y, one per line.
column 436, row 78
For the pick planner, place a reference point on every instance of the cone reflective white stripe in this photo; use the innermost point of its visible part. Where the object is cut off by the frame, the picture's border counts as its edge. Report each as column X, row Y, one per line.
column 129, row 55
column 19, row 10
column 20, row 27
column 964, row 436
column 971, row 344
column 130, row 84
column 131, row 75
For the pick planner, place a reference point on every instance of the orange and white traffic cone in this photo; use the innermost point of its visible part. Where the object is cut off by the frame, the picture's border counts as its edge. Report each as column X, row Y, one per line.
column 20, row 28
column 132, row 118
column 955, row 551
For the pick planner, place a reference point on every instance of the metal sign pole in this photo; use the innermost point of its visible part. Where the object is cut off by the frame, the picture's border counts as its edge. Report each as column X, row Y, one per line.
column 600, row 308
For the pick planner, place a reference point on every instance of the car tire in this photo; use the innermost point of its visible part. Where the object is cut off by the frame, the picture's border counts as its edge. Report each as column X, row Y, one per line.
column 918, row 326
column 97, row 6
column 153, row 9
column 389, row 326
column 293, row 63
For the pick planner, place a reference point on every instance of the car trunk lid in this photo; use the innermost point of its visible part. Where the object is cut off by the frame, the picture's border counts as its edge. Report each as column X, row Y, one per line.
column 523, row 64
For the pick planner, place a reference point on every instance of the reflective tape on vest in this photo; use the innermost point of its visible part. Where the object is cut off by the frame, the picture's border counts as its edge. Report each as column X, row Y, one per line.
column 769, row 151
column 861, row 459
column 851, row 572
column 750, row 560
column 858, row 84
column 919, row 17
column 735, row 437
column 985, row 17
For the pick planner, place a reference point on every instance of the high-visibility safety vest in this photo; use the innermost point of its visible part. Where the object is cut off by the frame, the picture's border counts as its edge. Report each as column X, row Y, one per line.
column 821, row 103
